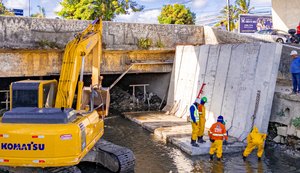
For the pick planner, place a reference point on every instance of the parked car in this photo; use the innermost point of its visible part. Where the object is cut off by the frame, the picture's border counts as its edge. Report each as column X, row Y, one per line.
column 273, row 34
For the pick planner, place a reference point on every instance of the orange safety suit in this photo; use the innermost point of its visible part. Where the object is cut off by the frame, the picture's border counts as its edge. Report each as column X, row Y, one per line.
column 201, row 110
column 255, row 140
column 217, row 133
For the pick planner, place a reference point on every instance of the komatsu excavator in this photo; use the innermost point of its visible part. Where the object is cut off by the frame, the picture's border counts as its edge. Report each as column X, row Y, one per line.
column 43, row 130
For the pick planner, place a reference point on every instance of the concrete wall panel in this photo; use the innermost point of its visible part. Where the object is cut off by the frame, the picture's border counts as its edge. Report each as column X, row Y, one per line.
column 233, row 74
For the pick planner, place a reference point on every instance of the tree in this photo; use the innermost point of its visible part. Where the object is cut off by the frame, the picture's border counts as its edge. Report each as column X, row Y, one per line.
column 243, row 6
column 176, row 14
column 40, row 14
column 240, row 7
column 4, row 11
column 92, row 9
column 233, row 17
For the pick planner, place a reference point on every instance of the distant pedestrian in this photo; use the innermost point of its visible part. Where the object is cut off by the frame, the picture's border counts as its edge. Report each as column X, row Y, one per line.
column 295, row 71
column 222, row 26
column 255, row 140
column 217, row 133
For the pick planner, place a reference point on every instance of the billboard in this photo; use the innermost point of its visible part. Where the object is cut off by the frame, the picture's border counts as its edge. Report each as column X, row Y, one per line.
column 18, row 12
column 250, row 23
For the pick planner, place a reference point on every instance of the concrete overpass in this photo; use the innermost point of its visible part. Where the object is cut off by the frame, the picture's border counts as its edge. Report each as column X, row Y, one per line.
column 285, row 14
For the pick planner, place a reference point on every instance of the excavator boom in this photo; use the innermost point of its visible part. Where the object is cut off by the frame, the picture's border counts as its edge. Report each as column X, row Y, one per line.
column 86, row 43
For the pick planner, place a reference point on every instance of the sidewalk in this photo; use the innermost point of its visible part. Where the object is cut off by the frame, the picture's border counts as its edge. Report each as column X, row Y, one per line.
column 177, row 131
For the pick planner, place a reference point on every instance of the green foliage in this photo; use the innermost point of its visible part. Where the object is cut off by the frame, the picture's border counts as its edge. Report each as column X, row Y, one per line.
column 296, row 122
column 144, row 43
column 40, row 14
column 177, row 14
column 240, row 7
column 159, row 44
column 93, row 9
column 47, row 44
column 4, row 11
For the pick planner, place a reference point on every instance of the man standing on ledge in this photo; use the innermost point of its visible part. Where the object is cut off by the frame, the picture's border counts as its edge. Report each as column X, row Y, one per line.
column 194, row 119
column 217, row 133
column 295, row 71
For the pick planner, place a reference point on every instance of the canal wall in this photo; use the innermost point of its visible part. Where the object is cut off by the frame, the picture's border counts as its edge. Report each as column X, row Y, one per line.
column 238, row 77
column 35, row 33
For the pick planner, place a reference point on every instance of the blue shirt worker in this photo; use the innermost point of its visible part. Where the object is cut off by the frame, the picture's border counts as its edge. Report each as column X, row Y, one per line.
column 194, row 118
column 295, row 71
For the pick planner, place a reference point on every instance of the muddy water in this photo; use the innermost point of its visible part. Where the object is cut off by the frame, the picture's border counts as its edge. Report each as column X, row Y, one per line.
column 153, row 156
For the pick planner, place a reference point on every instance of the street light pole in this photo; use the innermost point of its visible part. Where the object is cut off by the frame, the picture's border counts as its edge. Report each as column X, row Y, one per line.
column 29, row 8
column 228, row 15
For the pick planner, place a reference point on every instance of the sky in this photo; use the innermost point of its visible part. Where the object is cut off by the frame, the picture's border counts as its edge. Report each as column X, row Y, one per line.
column 206, row 11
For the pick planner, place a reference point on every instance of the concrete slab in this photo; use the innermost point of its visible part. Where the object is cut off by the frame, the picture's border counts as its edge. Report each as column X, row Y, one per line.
column 234, row 74
column 184, row 144
column 177, row 131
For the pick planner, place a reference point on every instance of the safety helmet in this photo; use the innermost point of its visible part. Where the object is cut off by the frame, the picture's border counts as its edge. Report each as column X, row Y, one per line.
column 220, row 119
column 204, row 99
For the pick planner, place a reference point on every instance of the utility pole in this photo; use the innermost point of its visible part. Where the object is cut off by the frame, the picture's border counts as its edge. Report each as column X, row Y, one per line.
column 29, row 8
column 228, row 15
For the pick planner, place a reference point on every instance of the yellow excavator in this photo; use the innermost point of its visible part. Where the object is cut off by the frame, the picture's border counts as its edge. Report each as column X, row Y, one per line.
column 41, row 129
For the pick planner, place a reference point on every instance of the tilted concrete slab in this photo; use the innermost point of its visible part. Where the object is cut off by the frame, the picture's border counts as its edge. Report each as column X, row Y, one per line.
column 238, row 77
column 178, row 131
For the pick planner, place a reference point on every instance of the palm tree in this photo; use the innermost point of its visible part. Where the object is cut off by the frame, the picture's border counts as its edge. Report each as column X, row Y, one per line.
column 243, row 6
column 40, row 14
column 240, row 7
column 233, row 17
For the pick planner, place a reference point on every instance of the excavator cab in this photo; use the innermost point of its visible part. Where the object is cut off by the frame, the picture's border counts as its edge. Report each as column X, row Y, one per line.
column 33, row 93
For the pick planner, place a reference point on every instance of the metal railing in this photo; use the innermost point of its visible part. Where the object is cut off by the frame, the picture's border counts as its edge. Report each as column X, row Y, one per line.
column 6, row 101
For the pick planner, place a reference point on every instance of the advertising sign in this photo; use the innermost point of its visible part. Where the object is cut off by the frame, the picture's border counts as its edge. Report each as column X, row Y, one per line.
column 250, row 23
column 18, row 12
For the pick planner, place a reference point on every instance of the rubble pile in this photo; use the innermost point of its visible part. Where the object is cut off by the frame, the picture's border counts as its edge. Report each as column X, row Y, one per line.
column 123, row 101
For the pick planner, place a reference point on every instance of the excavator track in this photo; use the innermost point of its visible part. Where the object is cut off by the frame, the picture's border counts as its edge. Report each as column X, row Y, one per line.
column 68, row 169
column 114, row 157
column 111, row 156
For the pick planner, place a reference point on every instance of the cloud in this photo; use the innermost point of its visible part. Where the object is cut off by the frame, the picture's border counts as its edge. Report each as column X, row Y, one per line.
column 199, row 3
column 148, row 1
column 22, row 4
column 58, row 8
column 149, row 16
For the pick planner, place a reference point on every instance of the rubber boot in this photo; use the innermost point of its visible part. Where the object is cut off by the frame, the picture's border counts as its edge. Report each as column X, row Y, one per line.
column 194, row 144
column 200, row 140
column 259, row 158
column 211, row 157
column 219, row 159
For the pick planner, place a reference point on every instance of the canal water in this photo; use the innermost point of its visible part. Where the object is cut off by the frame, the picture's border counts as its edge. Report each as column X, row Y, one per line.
column 154, row 156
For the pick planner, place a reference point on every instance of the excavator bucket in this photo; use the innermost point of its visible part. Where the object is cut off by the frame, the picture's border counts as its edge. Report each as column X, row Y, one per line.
column 100, row 98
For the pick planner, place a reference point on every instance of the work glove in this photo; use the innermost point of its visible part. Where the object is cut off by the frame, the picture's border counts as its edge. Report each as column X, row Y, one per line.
column 225, row 142
column 196, row 124
column 211, row 140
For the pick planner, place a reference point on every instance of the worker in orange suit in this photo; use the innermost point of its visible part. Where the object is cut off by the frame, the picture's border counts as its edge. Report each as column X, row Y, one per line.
column 255, row 140
column 217, row 133
column 201, row 110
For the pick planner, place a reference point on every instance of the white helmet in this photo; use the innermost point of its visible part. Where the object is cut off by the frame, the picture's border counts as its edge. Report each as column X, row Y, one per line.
column 294, row 52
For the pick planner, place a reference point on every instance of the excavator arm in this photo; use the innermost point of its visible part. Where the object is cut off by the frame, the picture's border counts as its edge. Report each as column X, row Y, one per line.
column 85, row 43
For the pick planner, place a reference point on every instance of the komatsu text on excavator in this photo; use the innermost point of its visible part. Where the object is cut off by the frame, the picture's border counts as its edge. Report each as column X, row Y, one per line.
column 43, row 130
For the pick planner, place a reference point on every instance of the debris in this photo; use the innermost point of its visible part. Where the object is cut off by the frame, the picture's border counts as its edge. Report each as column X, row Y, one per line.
column 123, row 101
